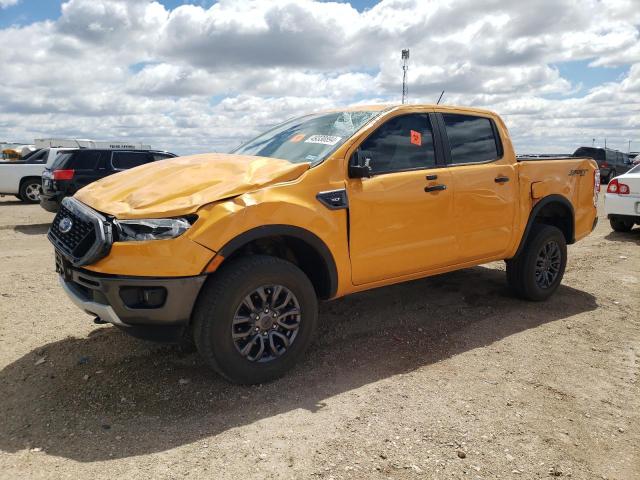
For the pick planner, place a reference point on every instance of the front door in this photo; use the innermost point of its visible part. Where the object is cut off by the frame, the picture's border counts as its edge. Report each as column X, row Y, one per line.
column 400, row 218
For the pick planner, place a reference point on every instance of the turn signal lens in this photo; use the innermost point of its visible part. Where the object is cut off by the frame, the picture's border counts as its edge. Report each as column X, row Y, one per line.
column 214, row 264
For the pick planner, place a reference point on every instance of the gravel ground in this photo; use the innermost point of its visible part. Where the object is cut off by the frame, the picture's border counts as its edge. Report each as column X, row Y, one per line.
column 446, row 377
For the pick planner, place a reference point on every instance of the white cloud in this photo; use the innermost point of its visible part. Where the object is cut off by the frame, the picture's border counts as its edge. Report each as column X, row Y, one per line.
column 8, row 3
column 196, row 79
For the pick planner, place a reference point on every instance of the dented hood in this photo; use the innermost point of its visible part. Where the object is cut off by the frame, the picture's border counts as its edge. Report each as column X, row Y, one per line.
column 181, row 185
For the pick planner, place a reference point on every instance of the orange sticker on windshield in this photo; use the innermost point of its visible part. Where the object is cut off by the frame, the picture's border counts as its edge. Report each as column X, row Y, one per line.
column 297, row 138
column 416, row 138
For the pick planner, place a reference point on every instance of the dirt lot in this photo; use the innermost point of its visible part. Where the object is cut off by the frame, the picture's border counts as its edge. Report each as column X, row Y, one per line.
column 447, row 377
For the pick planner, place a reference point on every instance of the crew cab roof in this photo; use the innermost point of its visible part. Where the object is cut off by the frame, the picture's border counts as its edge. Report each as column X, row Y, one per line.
column 410, row 106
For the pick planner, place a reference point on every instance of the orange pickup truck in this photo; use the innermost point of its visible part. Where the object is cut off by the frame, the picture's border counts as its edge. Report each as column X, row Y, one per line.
column 234, row 250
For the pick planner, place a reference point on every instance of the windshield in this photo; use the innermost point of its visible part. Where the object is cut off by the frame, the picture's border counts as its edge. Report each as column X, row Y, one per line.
column 311, row 138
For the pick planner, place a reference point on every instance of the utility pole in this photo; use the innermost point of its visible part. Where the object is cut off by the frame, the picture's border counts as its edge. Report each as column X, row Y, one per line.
column 593, row 142
column 405, row 68
column 629, row 149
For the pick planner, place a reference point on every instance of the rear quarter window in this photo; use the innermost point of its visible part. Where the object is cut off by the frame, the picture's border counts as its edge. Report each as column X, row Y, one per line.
column 78, row 160
column 595, row 153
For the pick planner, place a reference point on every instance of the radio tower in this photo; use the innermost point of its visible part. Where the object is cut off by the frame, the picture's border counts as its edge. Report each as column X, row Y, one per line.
column 405, row 68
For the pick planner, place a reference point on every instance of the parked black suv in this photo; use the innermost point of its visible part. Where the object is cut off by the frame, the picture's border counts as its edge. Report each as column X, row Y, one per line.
column 611, row 162
column 73, row 169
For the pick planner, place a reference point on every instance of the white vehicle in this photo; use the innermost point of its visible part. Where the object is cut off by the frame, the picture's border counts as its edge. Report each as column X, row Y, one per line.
column 23, row 178
column 622, row 200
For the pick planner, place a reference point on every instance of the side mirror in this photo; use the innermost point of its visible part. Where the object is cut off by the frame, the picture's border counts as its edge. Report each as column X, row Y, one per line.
column 359, row 167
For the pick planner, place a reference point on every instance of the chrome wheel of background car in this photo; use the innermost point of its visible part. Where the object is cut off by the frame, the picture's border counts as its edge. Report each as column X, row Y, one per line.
column 548, row 264
column 266, row 323
column 33, row 191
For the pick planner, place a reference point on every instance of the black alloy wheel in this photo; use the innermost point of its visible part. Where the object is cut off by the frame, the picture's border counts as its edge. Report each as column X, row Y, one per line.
column 266, row 323
column 548, row 264
column 255, row 318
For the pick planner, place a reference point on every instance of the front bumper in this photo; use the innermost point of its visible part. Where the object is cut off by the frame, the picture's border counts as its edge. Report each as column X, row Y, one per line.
column 115, row 299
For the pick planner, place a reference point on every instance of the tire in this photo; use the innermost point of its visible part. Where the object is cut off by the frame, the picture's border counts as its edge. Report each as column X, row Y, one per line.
column 30, row 190
column 522, row 275
column 620, row 225
column 223, row 299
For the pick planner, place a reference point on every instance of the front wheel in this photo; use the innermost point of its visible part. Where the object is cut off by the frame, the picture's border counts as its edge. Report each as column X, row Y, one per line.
column 621, row 225
column 536, row 273
column 255, row 318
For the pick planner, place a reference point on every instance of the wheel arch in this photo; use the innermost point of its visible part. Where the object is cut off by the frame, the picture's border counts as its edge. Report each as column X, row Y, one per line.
column 555, row 210
column 26, row 178
column 298, row 245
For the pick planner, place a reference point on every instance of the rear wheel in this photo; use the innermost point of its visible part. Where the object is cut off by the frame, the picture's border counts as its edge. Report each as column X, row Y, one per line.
column 621, row 225
column 255, row 318
column 536, row 273
column 30, row 190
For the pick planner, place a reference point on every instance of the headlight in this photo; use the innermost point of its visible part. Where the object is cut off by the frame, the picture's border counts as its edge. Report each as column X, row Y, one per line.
column 151, row 229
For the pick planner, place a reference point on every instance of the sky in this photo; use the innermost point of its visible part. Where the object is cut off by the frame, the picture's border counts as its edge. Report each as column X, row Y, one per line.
column 204, row 75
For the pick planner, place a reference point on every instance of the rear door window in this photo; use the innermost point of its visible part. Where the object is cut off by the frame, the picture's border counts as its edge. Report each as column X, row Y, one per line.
column 471, row 139
column 86, row 159
column 126, row 160
column 402, row 143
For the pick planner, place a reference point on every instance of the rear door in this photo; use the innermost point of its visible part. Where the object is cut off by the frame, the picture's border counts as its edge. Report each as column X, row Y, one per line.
column 485, row 185
column 400, row 218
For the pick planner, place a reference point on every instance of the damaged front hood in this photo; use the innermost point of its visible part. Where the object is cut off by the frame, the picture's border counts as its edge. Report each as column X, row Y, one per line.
column 179, row 186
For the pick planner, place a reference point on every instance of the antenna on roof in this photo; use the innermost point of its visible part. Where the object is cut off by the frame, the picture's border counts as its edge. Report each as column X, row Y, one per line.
column 405, row 68
column 438, row 103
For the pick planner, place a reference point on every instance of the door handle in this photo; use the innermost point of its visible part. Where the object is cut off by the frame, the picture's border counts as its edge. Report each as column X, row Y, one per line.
column 432, row 177
column 501, row 179
column 435, row 188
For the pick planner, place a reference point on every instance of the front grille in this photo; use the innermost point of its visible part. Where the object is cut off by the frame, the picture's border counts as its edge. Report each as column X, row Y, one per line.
column 89, row 237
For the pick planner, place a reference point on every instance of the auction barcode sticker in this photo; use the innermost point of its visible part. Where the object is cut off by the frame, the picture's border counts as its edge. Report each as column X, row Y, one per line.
column 323, row 139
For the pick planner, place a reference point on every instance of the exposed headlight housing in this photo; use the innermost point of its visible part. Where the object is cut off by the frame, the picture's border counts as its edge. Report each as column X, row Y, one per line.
column 151, row 228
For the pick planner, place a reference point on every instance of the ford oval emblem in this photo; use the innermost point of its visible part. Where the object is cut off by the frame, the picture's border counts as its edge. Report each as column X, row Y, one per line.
column 65, row 225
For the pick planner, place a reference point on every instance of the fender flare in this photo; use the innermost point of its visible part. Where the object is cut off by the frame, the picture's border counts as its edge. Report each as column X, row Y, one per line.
column 554, row 198
column 305, row 235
